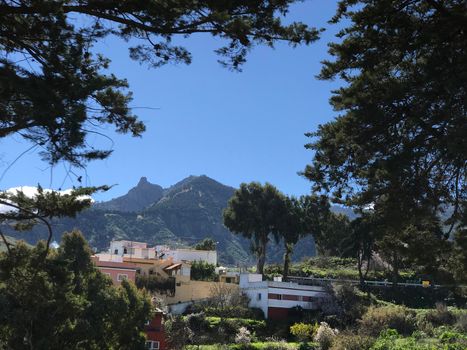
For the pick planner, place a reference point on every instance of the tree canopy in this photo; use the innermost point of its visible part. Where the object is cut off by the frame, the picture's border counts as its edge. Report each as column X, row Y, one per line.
column 65, row 302
column 255, row 211
column 54, row 89
column 400, row 139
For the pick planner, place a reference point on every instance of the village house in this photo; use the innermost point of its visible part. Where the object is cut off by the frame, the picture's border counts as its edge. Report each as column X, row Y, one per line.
column 276, row 298
column 116, row 270
column 155, row 335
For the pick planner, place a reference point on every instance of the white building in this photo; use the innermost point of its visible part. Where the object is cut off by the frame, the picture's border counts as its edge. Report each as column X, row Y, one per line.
column 276, row 298
column 132, row 249
column 209, row 256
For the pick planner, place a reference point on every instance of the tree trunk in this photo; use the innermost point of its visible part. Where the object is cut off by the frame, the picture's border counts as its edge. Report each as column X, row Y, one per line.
column 360, row 267
column 288, row 251
column 261, row 254
column 395, row 269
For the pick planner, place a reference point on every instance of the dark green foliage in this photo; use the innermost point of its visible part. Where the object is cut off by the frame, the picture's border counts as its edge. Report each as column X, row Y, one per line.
column 53, row 86
column 203, row 271
column 419, row 297
column 153, row 283
column 65, row 302
column 334, row 238
column 206, row 244
column 458, row 259
column 398, row 145
column 401, row 134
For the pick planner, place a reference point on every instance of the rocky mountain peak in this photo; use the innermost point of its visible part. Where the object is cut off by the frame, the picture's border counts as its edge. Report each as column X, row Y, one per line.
column 143, row 181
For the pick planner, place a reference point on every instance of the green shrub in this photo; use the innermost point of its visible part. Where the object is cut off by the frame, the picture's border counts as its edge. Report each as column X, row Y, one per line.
column 377, row 319
column 203, row 271
column 228, row 311
column 253, row 326
column 346, row 302
column 352, row 342
column 303, row 331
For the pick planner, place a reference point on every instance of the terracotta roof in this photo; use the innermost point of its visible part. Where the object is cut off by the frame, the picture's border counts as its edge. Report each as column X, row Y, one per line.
column 114, row 264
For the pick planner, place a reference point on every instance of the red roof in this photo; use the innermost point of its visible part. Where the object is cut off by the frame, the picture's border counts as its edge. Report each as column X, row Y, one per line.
column 115, row 264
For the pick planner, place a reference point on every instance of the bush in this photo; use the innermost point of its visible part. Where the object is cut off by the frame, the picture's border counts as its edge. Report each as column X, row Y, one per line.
column 377, row 319
column 203, row 271
column 325, row 336
column 346, row 302
column 227, row 330
column 352, row 342
column 199, row 327
column 306, row 346
column 303, row 331
column 154, row 283
column 440, row 316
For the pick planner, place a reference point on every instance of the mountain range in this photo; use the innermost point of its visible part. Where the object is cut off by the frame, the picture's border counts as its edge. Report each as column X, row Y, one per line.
column 180, row 216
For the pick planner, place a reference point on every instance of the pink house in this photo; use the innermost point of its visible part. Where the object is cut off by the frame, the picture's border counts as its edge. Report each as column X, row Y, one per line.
column 117, row 271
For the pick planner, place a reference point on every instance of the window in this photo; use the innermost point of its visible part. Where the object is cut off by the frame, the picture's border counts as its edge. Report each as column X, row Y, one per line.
column 307, row 299
column 125, row 251
column 275, row 296
column 152, row 345
column 259, row 296
column 290, row 297
column 116, row 251
column 121, row 277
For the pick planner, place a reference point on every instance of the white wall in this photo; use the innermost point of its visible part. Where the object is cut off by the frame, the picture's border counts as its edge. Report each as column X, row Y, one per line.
column 134, row 249
column 210, row 256
column 258, row 298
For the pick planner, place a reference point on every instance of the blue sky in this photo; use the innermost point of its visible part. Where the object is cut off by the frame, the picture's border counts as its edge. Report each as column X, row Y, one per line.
column 233, row 127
